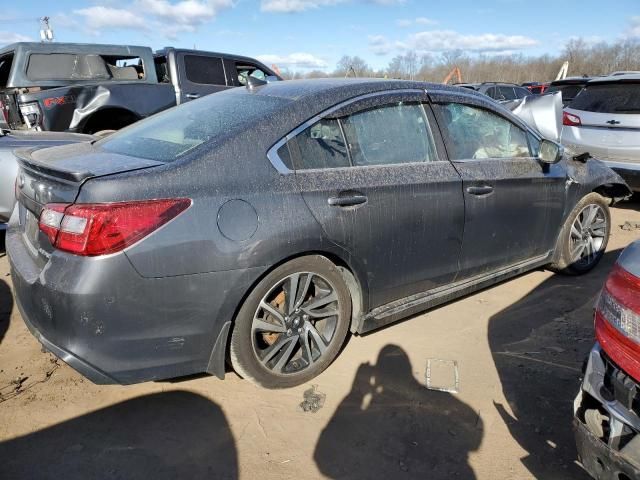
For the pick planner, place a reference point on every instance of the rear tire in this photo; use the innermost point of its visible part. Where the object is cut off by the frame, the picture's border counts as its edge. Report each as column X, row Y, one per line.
column 292, row 325
column 584, row 236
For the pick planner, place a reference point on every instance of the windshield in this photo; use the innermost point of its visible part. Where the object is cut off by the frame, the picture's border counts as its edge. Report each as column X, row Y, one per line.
column 168, row 135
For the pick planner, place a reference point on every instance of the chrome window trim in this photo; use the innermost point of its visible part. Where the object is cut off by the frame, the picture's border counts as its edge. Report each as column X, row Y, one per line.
column 272, row 153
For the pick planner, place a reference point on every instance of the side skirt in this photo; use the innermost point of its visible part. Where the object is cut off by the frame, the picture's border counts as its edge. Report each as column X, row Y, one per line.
column 399, row 309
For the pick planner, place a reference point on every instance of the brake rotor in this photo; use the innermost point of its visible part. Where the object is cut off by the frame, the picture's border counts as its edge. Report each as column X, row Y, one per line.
column 270, row 338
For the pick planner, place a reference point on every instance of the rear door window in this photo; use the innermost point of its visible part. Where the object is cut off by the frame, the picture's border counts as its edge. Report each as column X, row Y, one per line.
column 388, row 135
column 475, row 133
column 506, row 93
column 618, row 98
column 204, row 70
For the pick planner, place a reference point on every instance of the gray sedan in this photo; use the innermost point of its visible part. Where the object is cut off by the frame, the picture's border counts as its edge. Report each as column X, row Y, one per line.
column 261, row 225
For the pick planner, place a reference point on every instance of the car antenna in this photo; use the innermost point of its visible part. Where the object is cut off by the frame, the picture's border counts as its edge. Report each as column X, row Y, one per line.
column 253, row 82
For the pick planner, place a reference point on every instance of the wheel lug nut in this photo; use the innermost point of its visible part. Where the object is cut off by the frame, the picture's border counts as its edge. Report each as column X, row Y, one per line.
column 289, row 332
column 299, row 330
column 305, row 317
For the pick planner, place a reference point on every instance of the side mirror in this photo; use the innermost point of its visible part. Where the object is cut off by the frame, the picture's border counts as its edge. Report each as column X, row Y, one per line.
column 550, row 152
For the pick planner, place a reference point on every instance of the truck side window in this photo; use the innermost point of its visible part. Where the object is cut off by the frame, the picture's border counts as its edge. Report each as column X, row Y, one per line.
column 204, row 70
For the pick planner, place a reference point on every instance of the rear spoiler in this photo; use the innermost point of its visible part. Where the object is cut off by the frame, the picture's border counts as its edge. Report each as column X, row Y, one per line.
column 26, row 160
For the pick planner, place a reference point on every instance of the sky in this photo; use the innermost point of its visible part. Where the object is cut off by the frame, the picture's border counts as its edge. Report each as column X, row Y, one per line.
column 302, row 35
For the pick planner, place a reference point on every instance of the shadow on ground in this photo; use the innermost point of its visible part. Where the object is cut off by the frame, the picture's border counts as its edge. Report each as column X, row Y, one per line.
column 539, row 345
column 6, row 307
column 391, row 426
column 174, row 435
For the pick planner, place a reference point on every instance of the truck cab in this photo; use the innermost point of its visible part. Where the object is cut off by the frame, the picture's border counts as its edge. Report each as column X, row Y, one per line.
column 195, row 73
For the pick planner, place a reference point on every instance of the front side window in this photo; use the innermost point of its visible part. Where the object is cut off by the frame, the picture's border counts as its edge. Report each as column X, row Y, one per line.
column 389, row 135
column 244, row 71
column 475, row 133
column 204, row 70
column 506, row 93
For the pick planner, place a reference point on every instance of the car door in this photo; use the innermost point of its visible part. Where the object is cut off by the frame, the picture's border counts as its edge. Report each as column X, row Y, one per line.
column 513, row 203
column 200, row 74
column 380, row 187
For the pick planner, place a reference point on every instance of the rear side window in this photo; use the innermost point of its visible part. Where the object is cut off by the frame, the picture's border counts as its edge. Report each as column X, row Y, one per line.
column 389, row 135
column 620, row 98
column 523, row 92
column 321, row 146
column 475, row 133
column 204, row 70
column 569, row 92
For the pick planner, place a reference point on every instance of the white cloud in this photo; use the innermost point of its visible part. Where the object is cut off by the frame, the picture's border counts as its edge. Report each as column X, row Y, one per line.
column 185, row 12
column 446, row 40
column 634, row 27
column 406, row 22
column 380, row 45
column 300, row 60
column 11, row 37
column 99, row 18
column 294, row 6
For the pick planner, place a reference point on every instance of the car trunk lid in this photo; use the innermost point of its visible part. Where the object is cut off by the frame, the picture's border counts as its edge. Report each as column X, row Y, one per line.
column 55, row 175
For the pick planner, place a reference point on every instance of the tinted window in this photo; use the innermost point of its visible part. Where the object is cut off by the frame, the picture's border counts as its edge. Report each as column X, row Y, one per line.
column 569, row 92
column 477, row 133
column 5, row 69
column 321, row 146
column 523, row 92
column 204, row 70
column 506, row 93
column 389, row 135
column 614, row 98
column 172, row 133
column 492, row 92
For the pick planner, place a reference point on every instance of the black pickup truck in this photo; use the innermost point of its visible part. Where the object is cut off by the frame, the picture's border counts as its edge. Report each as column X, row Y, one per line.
column 88, row 88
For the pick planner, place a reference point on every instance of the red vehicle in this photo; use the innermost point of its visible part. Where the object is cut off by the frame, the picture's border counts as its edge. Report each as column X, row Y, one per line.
column 607, row 408
column 537, row 88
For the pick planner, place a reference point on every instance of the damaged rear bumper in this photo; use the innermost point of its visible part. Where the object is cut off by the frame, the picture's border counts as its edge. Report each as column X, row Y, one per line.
column 606, row 423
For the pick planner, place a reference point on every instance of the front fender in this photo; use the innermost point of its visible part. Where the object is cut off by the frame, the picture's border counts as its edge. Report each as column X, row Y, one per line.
column 594, row 176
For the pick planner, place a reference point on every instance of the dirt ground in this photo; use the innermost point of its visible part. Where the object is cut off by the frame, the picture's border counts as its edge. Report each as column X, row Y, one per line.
column 518, row 348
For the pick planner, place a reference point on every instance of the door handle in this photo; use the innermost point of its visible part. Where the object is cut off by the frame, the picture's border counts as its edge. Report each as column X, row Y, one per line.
column 482, row 190
column 192, row 96
column 348, row 200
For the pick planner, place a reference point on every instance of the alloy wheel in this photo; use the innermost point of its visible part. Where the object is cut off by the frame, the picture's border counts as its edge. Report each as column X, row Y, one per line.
column 295, row 323
column 588, row 234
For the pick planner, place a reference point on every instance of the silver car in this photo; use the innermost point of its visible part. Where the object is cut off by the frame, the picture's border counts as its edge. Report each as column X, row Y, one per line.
column 13, row 139
column 604, row 120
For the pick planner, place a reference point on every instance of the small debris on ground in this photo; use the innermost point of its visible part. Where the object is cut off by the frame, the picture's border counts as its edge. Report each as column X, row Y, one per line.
column 442, row 375
column 629, row 226
column 313, row 400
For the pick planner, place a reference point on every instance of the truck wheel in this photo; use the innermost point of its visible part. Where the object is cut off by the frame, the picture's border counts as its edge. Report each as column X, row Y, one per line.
column 584, row 236
column 292, row 325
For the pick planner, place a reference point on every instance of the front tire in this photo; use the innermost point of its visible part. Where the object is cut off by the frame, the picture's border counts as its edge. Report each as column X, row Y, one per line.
column 584, row 236
column 292, row 325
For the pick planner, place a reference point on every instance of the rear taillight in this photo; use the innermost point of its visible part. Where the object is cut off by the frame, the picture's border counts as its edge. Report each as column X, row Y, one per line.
column 618, row 320
column 102, row 228
column 571, row 120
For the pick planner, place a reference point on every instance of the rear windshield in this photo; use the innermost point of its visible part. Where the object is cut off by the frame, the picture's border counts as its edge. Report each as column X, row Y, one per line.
column 618, row 98
column 569, row 92
column 168, row 135
column 71, row 66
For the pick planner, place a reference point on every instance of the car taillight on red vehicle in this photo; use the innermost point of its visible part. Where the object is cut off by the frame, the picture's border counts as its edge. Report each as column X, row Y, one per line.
column 617, row 320
column 571, row 120
column 102, row 228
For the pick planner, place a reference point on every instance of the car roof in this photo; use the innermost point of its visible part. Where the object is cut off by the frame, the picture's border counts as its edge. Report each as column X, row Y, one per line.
column 571, row 81
column 345, row 88
column 61, row 47
column 631, row 78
